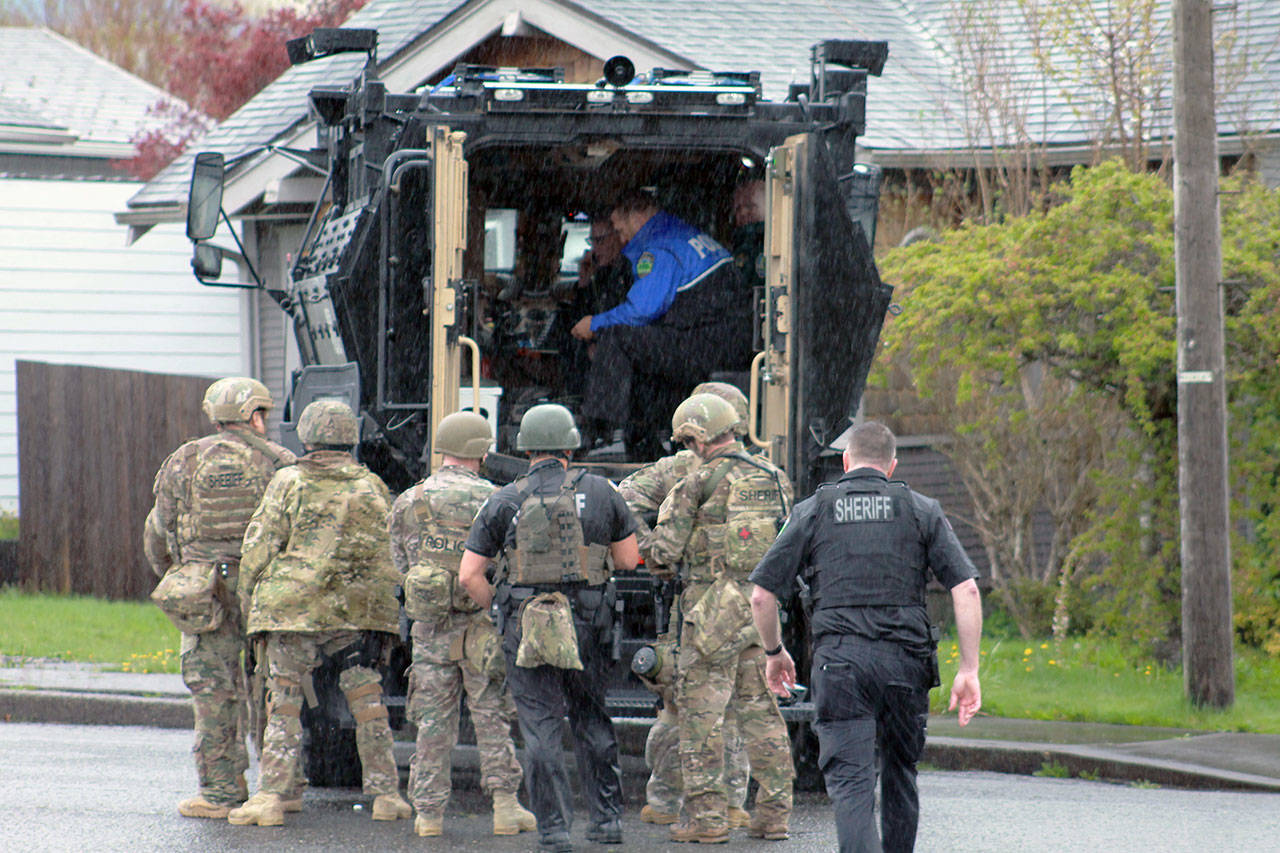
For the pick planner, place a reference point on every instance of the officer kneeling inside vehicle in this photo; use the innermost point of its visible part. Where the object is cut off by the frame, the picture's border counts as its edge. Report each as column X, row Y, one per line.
column 863, row 546
column 316, row 579
column 554, row 529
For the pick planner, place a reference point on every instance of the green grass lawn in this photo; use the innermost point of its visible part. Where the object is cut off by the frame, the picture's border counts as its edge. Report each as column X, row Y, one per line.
column 1100, row 681
column 125, row 635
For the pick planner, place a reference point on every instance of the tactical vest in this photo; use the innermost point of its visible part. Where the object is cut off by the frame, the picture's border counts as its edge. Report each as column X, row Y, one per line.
column 549, row 545
column 754, row 512
column 874, row 538
column 227, row 480
column 443, row 526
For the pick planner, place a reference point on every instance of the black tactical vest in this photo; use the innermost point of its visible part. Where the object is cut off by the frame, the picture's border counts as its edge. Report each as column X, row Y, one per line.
column 870, row 547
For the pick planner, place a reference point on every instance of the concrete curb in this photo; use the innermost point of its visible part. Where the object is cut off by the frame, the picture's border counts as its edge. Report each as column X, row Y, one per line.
column 94, row 709
column 1029, row 758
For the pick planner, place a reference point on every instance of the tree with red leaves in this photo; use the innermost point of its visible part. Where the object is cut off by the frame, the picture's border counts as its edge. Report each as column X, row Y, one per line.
column 221, row 58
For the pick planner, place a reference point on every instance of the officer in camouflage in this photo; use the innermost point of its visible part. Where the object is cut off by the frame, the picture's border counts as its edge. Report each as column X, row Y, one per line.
column 644, row 491
column 317, row 580
column 717, row 522
column 455, row 645
column 204, row 495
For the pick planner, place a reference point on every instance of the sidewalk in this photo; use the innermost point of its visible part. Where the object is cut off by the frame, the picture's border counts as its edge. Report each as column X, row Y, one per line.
column 52, row 692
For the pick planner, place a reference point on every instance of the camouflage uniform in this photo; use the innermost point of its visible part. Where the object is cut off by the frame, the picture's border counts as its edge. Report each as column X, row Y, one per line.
column 428, row 524
column 317, row 576
column 205, row 493
column 690, row 532
column 644, row 491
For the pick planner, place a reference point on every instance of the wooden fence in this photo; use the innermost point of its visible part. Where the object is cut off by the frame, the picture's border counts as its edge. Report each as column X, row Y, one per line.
column 89, row 443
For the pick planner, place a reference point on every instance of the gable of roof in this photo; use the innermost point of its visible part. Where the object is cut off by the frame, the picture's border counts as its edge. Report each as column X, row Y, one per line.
column 58, row 98
column 921, row 106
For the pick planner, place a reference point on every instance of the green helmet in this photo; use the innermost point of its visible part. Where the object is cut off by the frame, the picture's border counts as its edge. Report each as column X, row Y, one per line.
column 235, row 399
column 548, row 427
column 465, row 435
column 732, row 395
column 328, row 422
column 703, row 417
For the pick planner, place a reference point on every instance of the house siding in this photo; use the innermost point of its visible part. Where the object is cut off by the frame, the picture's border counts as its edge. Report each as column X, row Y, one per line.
column 72, row 292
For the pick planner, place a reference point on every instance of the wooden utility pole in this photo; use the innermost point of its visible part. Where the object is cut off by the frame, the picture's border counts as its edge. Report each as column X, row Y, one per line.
column 1208, row 672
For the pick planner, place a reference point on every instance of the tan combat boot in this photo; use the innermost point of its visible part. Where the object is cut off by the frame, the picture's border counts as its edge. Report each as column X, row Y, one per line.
column 509, row 817
column 262, row 809
column 649, row 814
column 198, row 806
column 697, row 832
column 768, row 828
column 428, row 826
column 738, row 818
column 390, row 807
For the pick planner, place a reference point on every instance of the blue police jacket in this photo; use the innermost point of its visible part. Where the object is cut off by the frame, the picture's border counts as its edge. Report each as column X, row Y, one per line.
column 668, row 256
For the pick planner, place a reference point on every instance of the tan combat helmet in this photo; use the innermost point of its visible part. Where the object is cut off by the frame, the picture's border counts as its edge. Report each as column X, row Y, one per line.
column 732, row 395
column 703, row 417
column 464, row 435
column 235, row 399
column 328, row 422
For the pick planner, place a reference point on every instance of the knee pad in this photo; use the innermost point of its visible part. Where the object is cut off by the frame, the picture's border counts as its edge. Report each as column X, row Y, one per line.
column 365, row 702
column 284, row 698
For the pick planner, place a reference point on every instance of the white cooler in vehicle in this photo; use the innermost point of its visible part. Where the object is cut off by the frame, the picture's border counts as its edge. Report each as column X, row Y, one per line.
column 490, row 395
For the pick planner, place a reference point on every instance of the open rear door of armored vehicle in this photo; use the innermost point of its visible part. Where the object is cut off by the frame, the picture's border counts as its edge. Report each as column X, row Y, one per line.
column 824, row 305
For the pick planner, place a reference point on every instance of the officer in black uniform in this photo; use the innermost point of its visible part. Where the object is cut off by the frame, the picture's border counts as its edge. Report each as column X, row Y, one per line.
column 863, row 546
column 543, row 694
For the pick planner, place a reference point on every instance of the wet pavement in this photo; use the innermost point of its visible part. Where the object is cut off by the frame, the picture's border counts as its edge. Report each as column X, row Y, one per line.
column 56, row 692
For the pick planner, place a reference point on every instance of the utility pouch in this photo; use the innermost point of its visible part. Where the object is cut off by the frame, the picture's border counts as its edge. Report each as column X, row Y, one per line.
column 717, row 618
column 483, row 650
column 428, row 593
column 547, row 633
column 189, row 595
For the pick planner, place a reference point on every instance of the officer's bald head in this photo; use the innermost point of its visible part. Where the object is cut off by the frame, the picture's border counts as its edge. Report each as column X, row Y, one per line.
column 872, row 444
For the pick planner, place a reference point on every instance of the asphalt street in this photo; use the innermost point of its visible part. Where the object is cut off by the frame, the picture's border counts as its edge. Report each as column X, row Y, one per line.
column 114, row 788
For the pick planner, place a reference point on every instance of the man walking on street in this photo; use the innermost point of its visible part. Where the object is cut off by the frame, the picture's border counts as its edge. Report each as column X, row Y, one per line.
column 455, row 646
column 205, row 493
column 864, row 547
column 717, row 523
column 317, row 580
column 554, row 529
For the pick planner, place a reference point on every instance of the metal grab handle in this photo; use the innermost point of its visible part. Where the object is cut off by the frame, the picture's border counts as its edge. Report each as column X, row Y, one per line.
column 475, row 370
column 753, row 403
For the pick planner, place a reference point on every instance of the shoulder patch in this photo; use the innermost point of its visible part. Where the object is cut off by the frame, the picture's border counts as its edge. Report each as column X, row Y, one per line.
column 644, row 264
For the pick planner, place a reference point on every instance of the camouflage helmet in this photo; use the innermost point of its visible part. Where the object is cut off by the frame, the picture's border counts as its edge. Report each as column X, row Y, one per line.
column 548, row 427
column 465, row 435
column 328, row 422
column 703, row 417
column 235, row 399
column 732, row 395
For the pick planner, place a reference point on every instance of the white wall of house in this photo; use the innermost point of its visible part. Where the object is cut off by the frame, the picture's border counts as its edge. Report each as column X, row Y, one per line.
column 72, row 292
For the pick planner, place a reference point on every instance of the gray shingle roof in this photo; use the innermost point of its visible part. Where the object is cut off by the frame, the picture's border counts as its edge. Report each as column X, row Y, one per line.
column 924, row 101
column 47, row 81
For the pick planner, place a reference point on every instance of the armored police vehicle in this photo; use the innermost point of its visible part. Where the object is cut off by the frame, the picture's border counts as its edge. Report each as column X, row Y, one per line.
column 438, row 270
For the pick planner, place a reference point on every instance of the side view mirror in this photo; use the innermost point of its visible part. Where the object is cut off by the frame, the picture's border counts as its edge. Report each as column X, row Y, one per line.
column 206, row 261
column 204, row 200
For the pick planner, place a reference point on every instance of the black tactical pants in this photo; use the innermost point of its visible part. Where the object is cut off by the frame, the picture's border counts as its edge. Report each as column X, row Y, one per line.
column 871, row 697
column 543, row 695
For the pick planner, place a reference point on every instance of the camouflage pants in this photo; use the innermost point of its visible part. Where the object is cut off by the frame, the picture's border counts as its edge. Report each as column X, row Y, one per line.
column 291, row 656
column 665, row 789
column 211, row 671
column 439, row 676
column 705, row 690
